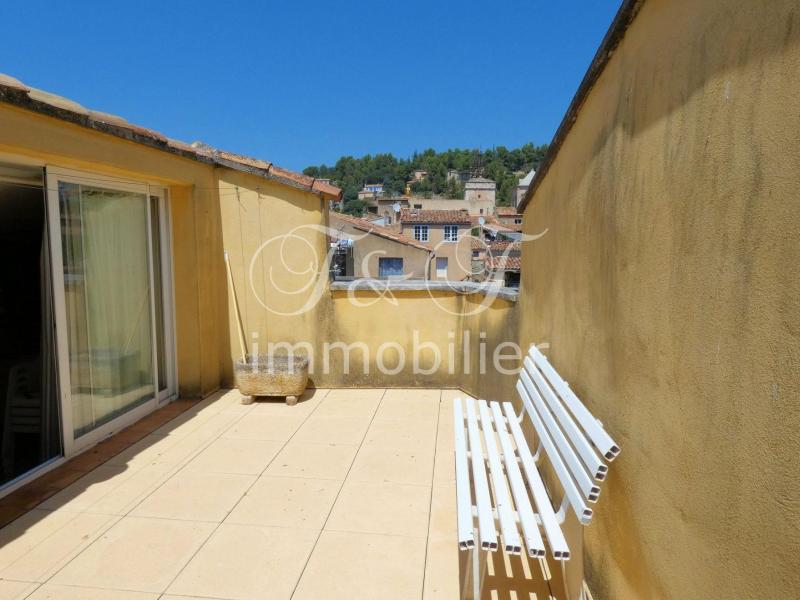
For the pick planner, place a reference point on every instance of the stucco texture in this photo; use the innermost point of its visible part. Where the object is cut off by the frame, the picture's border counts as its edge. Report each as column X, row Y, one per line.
column 667, row 289
column 197, row 266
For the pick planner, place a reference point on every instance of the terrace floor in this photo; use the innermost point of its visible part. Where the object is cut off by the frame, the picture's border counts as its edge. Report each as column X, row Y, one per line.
column 348, row 494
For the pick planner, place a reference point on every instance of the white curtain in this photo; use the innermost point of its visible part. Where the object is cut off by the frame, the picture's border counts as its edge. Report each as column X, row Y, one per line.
column 107, row 281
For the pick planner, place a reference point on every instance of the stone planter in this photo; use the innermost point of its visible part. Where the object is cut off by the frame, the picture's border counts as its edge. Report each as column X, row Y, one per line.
column 272, row 375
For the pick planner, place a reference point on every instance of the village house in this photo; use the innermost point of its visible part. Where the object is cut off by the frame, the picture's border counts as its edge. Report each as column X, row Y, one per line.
column 371, row 250
column 480, row 196
column 447, row 232
column 497, row 261
column 509, row 216
column 522, row 187
column 371, row 191
column 479, row 199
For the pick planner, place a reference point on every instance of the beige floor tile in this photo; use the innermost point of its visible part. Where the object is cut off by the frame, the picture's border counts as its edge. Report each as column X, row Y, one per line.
column 306, row 404
column 350, row 403
column 217, row 403
column 332, row 430
column 16, row 590
column 243, row 561
column 28, row 531
column 136, row 554
column 361, row 565
column 286, row 502
column 51, row 591
column 445, row 435
column 376, row 462
column 157, row 450
column 130, row 492
column 183, row 424
column 403, row 433
column 507, row 576
column 444, row 469
column 403, row 394
column 278, row 428
column 318, row 461
column 57, row 549
column 346, row 393
column 442, row 569
column 143, row 452
column 443, row 522
column 409, row 404
column 195, row 496
column 89, row 489
column 390, row 508
column 217, row 424
column 226, row 455
column 448, row 396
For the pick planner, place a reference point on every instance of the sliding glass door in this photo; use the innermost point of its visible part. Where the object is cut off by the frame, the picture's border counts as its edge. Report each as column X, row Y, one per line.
column 110, row 301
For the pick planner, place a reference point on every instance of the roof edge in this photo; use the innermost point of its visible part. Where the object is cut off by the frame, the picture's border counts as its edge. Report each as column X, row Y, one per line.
column 616, row 32
column 16, row 93
column 377, row 230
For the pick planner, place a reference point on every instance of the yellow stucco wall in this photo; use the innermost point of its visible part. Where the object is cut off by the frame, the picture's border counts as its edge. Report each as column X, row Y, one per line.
column 199, row 302
column 278, row 298
column 667, row 288
column 276, row 239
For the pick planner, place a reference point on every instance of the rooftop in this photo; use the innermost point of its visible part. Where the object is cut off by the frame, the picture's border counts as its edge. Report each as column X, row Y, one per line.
column 380, row 231
column 445, row 217
column 13, row 91
column 348, row 490
column 526, row 181
column 505, row 263
column 506, row 211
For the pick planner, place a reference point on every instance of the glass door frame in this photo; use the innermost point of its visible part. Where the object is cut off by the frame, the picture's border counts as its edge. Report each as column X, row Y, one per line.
column 168, row 294
column 54, row 175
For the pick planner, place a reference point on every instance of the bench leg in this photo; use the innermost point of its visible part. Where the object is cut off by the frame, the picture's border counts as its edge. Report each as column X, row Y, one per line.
column 477, row 572
column 291, row 400
column 473, row 573
column 248, row 399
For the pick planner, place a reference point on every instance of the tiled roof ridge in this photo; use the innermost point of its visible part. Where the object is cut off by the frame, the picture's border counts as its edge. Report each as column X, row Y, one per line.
column 380, row 231
column 16, row 93
column 438, row 216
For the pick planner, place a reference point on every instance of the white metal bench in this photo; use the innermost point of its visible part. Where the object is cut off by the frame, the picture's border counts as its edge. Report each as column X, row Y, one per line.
column 512, row 492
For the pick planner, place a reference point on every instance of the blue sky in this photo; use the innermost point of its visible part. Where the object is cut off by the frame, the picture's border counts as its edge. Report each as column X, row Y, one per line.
column 302, row 83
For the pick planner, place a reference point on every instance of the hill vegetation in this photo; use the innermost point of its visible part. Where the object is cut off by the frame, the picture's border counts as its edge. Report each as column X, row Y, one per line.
column 501, row 164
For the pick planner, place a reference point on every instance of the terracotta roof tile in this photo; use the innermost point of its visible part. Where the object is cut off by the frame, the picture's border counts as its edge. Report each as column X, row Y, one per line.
column 500, row 247
column 504, row 263
column 439, row 217
column 13, row 91
column 478, row 244
column 506, row 211
column 384, row 232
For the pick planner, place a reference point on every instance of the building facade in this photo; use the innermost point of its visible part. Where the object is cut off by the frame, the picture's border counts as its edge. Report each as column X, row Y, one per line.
column 374, row 251
column 447, row 231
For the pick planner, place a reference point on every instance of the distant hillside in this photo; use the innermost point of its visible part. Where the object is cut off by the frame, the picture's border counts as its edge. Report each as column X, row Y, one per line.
column 499, row 164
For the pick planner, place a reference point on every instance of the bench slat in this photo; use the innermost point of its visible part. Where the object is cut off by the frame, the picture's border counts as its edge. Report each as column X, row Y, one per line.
column 581, row 444
column 466, row 535
column 486, row 528
column 503, row 505
column 601, row 440
column 587, row 487
column 570, row 487
column 552, row 529
column 533, row 539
